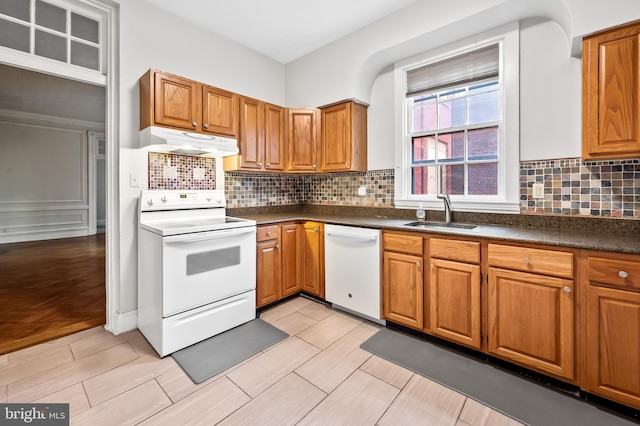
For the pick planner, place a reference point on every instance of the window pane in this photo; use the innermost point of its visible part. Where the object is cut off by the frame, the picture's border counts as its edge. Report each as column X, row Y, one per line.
column 14, row 36
column 84, row 55
column 424, row 149
column 15, row 8
column 425, row 114
column 51, row 46
column 452, row 113
column 50, row 16
column 452, row 179
column 451, row 146
column 483, row 179
column 84, row 28
column 486, row 86
column 484, row 107
column 483, row 144
column 423, row 180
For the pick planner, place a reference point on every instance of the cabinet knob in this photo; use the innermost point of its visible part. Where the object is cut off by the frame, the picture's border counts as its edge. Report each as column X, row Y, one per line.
column 433, row 266
column 194, row 124
column 268, row 164
column 314, row 166
column 260, row 164
column 277, row 246
column 268, row 233
column 205, row 125
column 566, row 289
column 417, row 263
column 526, row 260
column 315, row 229
column 623, row 274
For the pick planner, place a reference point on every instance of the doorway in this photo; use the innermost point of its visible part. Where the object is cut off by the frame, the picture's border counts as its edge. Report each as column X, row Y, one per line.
column 52, row 197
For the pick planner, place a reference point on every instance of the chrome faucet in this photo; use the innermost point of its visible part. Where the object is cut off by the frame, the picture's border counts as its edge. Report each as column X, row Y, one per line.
column 447, row 205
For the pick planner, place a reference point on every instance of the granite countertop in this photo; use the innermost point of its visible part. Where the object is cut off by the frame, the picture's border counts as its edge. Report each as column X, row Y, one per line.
column 588, row 236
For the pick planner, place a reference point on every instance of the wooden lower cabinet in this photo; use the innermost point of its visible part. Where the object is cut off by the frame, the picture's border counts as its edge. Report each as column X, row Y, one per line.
column 402, row 289
column 291, row 255
column 268, row 275
column 313, row 259
column 454, row 302
column 613, row 326
column 531, row 321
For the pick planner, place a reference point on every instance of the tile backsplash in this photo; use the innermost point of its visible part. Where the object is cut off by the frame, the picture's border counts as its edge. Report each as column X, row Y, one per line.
column 572, row 186
column 170, row 171
column 582, row 187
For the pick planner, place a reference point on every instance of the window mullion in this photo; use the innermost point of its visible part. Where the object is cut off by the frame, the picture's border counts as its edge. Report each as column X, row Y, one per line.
column 32, row 29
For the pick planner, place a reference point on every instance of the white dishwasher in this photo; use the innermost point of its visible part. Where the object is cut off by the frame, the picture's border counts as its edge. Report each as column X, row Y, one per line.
column 352, row 269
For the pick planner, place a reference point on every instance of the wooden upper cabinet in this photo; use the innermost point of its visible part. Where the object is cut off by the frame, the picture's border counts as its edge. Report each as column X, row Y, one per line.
column 274, row 137
column 344, row 137
column 303, row 139
column 251, row 134
column 611, row 93
column 169, row 100
column 177, row 102
column 219, row 111
column 262, row 137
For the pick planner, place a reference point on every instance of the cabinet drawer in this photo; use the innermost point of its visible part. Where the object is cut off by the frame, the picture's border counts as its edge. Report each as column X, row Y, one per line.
column 402, row 243
column 461, row 251
column 537, row 261
column 623, row 273
column 271, row 232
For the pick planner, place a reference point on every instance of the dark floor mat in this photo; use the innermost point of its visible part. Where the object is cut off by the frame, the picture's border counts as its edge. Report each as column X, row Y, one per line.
column 214, row 355
column 508, row 393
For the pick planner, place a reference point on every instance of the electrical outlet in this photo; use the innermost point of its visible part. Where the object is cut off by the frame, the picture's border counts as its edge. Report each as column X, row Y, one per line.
column 362, row 191
column 538, row 190
column 134, row 180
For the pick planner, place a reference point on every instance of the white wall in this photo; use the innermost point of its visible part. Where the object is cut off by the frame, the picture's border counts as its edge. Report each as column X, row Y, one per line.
column 43, row 182
column 550, row 94
column 151, row 38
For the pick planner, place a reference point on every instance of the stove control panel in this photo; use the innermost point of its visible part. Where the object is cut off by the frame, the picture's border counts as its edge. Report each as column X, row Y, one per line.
column 151, row 200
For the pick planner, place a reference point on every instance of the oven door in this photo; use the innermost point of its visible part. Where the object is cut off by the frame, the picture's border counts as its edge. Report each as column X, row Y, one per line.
column 206, row 267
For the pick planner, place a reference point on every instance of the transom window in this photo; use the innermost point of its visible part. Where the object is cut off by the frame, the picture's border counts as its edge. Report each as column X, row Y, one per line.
column 50, row 30
column 454, row 140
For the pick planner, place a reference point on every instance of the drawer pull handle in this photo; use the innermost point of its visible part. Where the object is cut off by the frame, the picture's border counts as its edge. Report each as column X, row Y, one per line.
column 526, row 260
column 623, row 274
column 268, row 233
column 566, row 289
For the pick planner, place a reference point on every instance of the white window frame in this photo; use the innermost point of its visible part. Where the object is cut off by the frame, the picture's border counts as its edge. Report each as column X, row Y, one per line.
column 507, row 200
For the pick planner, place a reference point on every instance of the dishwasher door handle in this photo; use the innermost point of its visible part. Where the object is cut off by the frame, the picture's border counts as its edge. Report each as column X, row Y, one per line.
column 354, row 238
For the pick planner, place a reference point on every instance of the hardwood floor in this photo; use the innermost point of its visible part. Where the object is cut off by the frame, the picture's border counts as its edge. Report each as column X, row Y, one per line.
column 319, row 375
column 50, row 289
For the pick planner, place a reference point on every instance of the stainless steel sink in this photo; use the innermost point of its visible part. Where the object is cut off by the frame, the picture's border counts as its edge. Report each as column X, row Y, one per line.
column 427, row 224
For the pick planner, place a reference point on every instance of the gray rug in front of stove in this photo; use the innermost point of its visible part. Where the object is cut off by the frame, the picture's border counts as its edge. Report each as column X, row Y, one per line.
column 218, row 353
column 506, row 392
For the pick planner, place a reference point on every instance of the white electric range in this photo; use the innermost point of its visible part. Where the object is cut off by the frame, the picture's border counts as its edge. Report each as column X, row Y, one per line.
column 196, row 268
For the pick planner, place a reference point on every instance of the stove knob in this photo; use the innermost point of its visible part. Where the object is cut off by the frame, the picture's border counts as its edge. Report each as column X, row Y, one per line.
column 150, row 201
column 163, row 199
column 208, row 199
column 219, row 200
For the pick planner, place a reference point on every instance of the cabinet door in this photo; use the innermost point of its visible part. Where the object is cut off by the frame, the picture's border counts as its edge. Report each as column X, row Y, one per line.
column 402, row 288
column 454, row 302
column 268, row 272
column 343, row 142
column 531, row 321
column 274, row 137
column 613, row 341
column 177, row 102
column 251, row 133
column 313, row 259
column 219, row 111
column 303, row 140
column 292, row 245
column 611, row 94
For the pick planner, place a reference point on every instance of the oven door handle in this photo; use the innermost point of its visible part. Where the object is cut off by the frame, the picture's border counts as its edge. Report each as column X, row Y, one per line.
column 207, row 236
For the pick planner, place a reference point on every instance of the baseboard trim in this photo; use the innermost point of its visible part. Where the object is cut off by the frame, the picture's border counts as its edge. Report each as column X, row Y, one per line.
column 124, row 322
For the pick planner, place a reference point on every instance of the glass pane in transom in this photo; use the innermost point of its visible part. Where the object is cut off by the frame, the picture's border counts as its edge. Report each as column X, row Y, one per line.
column 18, row 9
column 50, row 16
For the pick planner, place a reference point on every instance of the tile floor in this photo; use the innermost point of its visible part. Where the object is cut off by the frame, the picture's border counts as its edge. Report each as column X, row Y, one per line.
column 319, row 375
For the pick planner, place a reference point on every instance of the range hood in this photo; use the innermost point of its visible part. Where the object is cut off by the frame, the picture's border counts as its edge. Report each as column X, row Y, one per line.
column 161, row 139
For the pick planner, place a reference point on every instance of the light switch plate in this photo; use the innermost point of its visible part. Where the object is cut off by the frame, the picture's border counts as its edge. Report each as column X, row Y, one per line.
column 538, row 190
column 134, row 180
column 170, row 172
